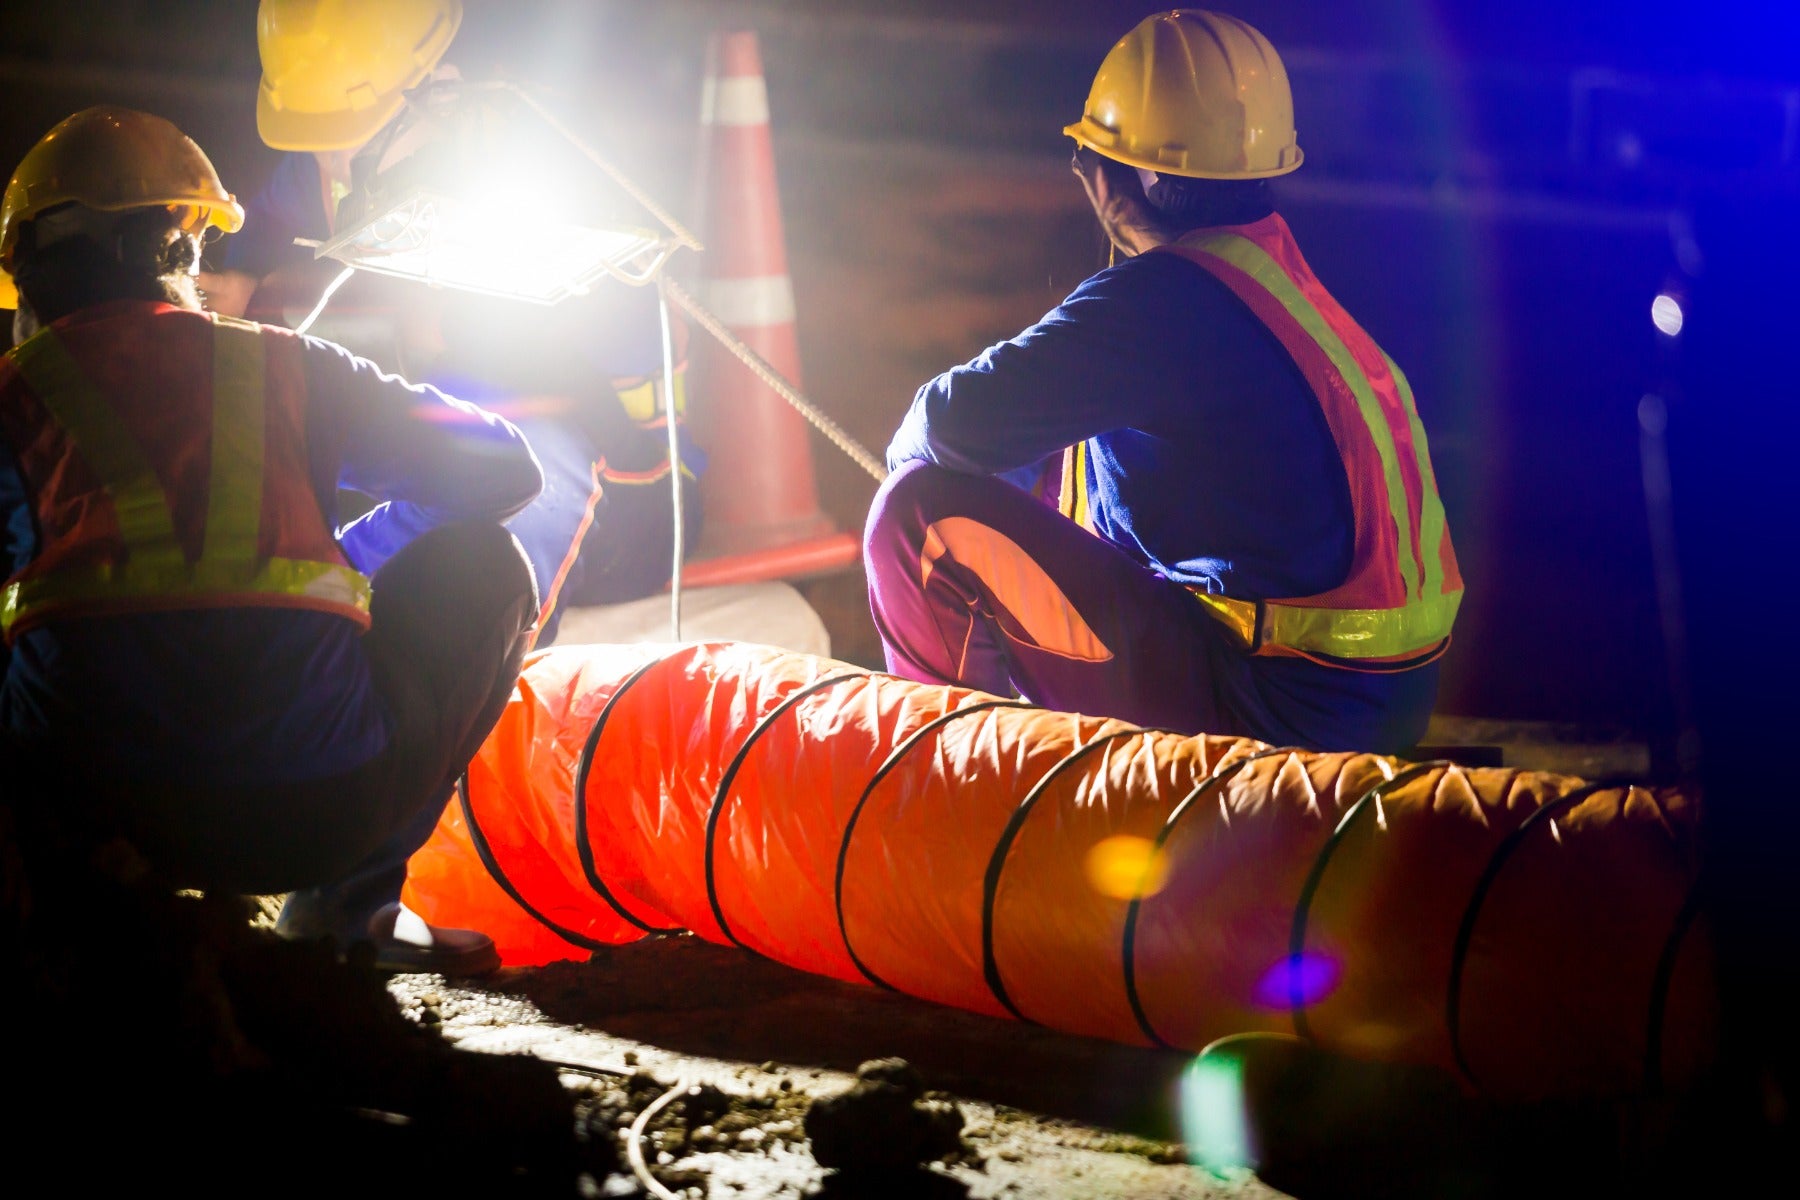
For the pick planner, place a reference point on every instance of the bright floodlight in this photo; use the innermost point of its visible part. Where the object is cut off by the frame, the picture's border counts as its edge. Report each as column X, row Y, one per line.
column 452, row 242
column 477, row 187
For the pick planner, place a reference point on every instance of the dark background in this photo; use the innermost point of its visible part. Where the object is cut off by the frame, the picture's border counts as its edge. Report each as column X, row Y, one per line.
column 1497, row 191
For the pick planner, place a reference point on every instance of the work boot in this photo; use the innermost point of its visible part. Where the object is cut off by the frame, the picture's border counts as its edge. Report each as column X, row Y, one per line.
column 402, row 939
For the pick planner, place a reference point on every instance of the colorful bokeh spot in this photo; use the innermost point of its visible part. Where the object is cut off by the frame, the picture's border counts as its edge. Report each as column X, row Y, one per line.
column 1298, row 980
column 1124, row 867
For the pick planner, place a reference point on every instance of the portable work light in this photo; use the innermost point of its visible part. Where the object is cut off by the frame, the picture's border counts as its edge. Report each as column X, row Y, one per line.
column 475, row 187
column 441, row 239
column 490, row 200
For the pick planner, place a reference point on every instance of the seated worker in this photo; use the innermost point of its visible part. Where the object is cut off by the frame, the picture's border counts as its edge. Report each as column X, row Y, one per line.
column 1257, row 545
column 256, row 704
column 582, row 378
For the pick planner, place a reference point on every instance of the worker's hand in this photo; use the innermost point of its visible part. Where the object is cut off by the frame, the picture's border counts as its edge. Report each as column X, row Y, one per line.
column 228, row 292
column 1118, row 199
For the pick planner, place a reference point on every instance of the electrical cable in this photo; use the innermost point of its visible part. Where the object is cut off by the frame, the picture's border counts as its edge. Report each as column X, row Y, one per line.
column 634, row 1145
column 584, row 1069
column 330, row 290
column 710, row 322
column 675, row 518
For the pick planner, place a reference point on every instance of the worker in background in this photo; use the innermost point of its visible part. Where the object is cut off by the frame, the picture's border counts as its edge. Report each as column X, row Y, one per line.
column 582, row 379
column 1249, row 539
column 256, row 700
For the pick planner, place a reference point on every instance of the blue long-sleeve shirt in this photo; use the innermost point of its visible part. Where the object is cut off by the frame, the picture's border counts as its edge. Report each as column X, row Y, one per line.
column 231, row 697
column 1209, row 458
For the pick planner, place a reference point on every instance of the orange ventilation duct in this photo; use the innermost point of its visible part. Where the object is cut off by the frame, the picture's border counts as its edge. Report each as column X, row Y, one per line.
column 1532, row 932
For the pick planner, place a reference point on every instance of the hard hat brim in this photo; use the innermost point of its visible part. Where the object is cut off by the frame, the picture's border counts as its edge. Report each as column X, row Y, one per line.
column 222, row 211
column 286, row 129
column 1085, row 133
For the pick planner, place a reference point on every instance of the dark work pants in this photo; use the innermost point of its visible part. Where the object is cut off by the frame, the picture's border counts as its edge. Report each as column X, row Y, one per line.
column 619, row 551
column 973, row 581
column 451, row 613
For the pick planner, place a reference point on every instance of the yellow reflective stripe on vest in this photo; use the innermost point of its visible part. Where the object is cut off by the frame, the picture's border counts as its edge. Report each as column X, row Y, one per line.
column 118, row 465
column 327, row 583
column 1072, row 494
column 235, row 488
column 1431, row 514
column 643, row 401
column 1255, row 262
column 155, row 569
column 1349, row 633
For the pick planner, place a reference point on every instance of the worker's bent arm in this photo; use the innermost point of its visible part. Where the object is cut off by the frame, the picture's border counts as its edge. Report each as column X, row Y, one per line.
column 1083, row 370
column 427, row 458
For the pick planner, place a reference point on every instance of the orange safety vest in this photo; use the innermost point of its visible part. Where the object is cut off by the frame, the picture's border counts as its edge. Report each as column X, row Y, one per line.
column 165, row 452
column 1395, row 609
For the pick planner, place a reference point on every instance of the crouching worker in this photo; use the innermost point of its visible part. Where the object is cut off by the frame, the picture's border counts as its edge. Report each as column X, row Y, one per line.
column 256, row 704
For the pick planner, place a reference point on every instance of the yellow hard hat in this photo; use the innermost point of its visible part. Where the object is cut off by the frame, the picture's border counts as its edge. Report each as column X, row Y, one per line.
column 1192, row 93
column 114, row 159
column 9, row 294
column 335, row 71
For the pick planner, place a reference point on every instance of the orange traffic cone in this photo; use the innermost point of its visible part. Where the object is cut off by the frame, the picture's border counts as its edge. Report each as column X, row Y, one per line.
column 762, row 505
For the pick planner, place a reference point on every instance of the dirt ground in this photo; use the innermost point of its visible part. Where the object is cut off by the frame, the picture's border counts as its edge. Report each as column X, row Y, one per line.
column 1044, row 1113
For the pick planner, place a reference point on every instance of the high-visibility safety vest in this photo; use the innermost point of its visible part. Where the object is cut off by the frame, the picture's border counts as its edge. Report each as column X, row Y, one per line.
column 1395, row 609
column 165, row 453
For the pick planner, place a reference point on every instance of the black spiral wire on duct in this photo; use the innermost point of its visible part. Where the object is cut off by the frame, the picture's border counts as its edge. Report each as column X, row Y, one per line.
column 1544, row 814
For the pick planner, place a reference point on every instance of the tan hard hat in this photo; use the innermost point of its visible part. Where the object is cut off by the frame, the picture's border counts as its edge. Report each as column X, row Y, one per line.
column 115, row 159
column 1192, row 93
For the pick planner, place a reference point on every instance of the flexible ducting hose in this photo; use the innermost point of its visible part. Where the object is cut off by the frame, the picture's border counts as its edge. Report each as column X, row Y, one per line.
column 1534, row 933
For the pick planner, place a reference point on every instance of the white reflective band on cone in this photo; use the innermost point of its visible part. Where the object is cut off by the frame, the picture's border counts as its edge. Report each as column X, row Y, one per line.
column 734, row 100
column 754, row 303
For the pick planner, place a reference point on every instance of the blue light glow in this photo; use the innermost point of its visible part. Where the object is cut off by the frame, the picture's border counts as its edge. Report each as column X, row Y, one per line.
column 1301, row 979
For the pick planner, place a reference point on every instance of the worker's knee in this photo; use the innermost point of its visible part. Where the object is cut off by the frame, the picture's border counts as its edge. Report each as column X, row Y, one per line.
column 908, row 500
column 471, row 566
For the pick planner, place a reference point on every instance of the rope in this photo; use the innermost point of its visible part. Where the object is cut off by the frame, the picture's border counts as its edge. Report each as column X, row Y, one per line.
column 761, row 368
column 592, row 155
column 758, row 365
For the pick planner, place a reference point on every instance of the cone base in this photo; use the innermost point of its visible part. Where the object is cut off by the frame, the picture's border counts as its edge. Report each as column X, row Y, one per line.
column 812, row 556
